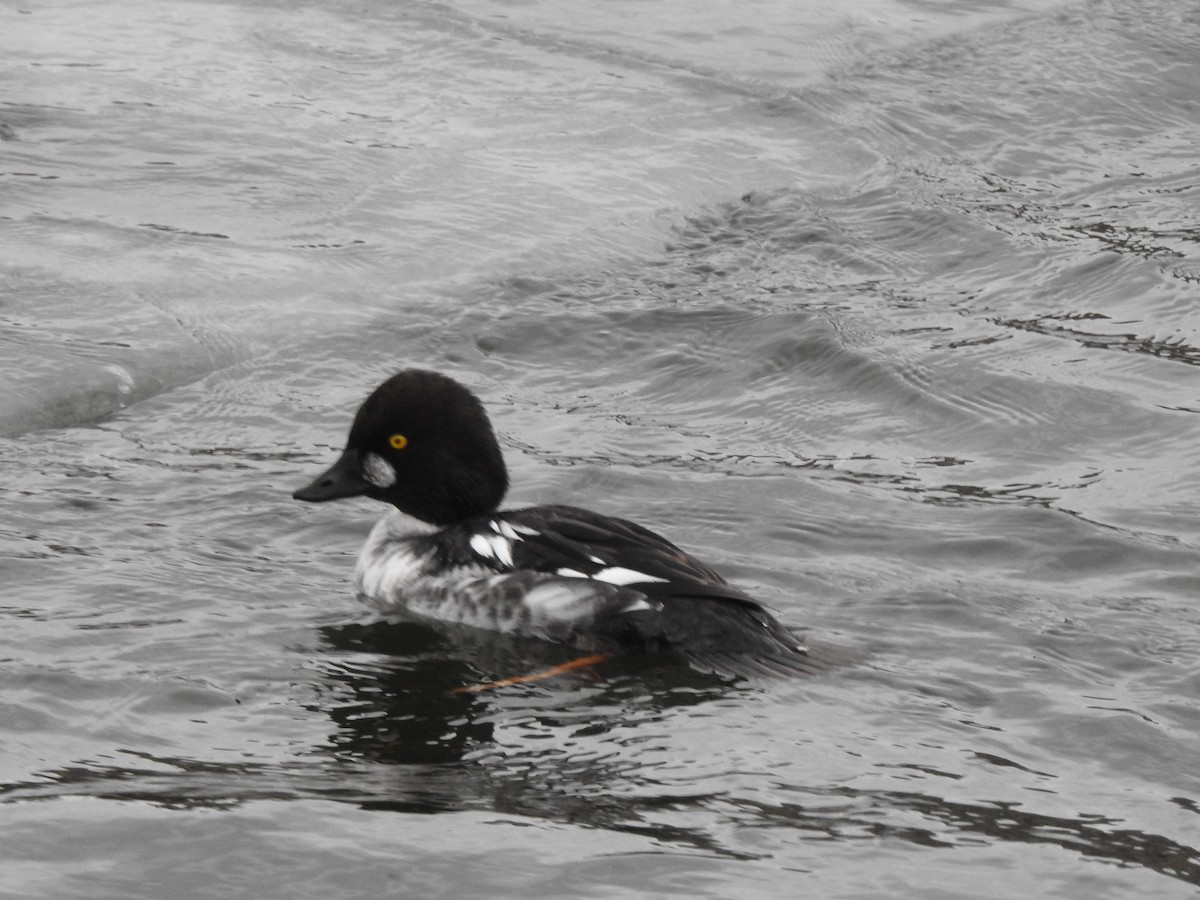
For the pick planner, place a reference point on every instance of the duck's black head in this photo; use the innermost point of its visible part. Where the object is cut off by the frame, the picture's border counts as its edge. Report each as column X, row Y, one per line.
column 423, row 443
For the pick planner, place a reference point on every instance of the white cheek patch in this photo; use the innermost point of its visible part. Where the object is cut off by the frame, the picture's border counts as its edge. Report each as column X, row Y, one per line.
column 378, row 471
column 493, row 547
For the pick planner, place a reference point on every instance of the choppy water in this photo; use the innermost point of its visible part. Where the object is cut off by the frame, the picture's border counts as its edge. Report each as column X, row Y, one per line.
column 887, row 309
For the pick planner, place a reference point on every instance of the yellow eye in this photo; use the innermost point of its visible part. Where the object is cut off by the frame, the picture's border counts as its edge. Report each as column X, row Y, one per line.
column 398, row 441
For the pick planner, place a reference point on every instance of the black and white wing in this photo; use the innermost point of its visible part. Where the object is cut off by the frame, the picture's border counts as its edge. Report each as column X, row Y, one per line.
column 564, row 540
column 629, row 588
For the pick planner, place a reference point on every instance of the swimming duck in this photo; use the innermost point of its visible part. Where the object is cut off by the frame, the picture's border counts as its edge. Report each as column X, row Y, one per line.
column 423, row 443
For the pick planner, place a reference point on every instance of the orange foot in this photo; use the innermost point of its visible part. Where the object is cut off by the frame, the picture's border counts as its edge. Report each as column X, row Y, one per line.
column 581, row 663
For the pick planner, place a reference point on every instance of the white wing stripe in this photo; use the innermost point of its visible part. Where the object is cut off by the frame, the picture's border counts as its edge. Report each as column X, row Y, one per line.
column 620, row 576
column 503, row 529
column 495, row 547
column 612, row 575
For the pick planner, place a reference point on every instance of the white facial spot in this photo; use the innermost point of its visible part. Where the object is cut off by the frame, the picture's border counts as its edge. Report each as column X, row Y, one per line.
column 378, row 471
column 620, row 576
column 492, row 547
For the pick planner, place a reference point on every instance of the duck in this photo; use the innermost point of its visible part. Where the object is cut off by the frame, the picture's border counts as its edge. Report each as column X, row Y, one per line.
column 423, row 443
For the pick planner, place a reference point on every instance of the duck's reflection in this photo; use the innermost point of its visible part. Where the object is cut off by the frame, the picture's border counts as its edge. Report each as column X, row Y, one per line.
column 403, row 700
column 396, row 682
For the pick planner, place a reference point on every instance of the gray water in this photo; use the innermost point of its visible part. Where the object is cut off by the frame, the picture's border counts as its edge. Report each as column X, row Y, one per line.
column 887, row 309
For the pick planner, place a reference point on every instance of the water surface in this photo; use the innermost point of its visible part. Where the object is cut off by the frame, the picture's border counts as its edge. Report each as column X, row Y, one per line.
column 888, row 310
